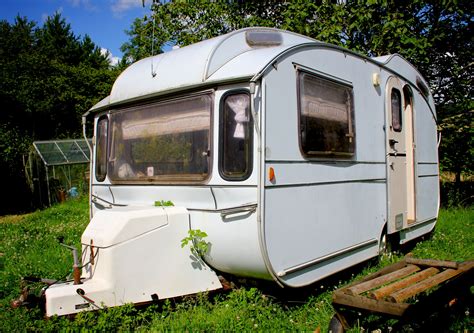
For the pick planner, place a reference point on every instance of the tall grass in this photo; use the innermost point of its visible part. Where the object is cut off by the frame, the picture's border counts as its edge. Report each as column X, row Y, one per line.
column 29, row 246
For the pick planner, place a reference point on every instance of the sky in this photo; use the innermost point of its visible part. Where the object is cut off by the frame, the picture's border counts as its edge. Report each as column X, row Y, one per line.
column 105, row 21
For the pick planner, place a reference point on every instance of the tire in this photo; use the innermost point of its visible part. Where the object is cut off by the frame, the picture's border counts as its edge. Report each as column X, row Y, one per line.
column 335, row 325
column 384, row 244
column 388, row 243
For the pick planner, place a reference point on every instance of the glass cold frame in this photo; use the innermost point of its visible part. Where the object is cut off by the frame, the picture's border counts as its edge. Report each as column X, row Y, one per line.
column 326, row 117
column 235, row 162
column 161, row 142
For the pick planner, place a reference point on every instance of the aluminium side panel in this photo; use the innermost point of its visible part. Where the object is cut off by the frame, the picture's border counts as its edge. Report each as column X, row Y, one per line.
column 427, row 160
column 322, row 215
column 427, row 170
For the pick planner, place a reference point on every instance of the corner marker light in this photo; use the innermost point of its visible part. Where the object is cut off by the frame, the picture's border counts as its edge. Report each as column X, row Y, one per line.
column 271, row 174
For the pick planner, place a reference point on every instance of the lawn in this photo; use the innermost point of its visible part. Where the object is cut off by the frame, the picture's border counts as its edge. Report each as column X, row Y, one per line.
column 29, row 246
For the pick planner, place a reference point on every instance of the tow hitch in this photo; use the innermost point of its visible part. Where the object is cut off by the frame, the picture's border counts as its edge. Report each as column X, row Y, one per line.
column 29, row 299
column 30, row 283
column 76, row 269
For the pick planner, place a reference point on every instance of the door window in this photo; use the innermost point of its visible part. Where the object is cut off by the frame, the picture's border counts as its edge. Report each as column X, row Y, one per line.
column 396, row 104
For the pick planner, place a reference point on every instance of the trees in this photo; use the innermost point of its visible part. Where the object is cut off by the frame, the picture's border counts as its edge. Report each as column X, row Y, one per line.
column 436, row 36
column 48, row 78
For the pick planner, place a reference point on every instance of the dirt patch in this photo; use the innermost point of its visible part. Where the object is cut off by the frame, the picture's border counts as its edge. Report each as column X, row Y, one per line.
column 13, row 218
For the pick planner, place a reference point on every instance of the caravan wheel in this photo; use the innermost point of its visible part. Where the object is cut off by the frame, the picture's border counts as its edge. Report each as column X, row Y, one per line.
column 385, row 244
column 335, row 325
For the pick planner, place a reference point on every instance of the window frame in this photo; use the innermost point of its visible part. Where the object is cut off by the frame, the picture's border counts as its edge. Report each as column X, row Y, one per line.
column 171, row 180
column 351, row 125
column 221, row 149
column 101, row 178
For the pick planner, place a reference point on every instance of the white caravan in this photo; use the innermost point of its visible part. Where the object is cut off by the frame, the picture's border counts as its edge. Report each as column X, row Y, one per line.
column 297, row 158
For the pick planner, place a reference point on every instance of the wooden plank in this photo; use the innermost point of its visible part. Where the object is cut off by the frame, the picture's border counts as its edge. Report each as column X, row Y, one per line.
column 381, row 280
column 360, row 302
column 383, row 271
column 391, row 288
column 428, row 283
column 433, row 263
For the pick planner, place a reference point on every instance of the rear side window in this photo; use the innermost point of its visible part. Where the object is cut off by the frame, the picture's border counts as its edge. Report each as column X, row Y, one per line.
column 396, row 106
column 326, row 117
column 101, row 149
column 236, row 128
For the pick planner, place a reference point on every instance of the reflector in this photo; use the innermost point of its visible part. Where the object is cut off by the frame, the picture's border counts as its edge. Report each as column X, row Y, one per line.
column 271, row 174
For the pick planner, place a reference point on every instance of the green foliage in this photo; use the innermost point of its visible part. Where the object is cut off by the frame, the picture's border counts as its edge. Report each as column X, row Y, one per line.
column 457, row 194
column 178, row 23
column 453, row 238
column 457, row 140
column 30, row 247
column 48, row 78
column 436, row 36
column 162, row 203
column 195, row 239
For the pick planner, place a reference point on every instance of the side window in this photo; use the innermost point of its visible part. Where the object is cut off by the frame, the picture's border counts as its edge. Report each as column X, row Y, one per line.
column 326, row 117
column 396, row 107
column 101, row 149
column 236, row 128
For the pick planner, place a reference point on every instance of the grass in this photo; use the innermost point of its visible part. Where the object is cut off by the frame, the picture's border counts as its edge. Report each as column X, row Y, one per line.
column 29, row 246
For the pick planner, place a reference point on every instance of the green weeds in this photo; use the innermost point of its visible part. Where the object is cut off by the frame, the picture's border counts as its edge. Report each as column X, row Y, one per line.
column 29, row 246
column 196, row 241
column 162, row 203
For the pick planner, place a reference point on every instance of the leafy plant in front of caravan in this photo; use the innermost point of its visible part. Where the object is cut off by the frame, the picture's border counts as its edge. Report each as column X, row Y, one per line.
column 162, row 203
column 196, row 241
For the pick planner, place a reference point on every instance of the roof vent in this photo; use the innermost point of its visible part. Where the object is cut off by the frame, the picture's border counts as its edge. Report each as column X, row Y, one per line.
column 263, row 38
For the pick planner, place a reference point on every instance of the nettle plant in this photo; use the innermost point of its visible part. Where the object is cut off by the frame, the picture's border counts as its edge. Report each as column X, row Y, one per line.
column 197, row 243
column 195, row 239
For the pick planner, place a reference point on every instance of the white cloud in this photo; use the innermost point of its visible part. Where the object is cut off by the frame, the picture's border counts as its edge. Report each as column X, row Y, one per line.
column 120, row 6
column 112, row 60
column 86, row 4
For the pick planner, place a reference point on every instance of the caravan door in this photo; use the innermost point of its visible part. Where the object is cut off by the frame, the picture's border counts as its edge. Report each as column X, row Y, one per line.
column 400, row 146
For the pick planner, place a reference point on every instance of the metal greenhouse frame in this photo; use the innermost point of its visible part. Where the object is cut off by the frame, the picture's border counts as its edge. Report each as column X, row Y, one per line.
column 57, row 161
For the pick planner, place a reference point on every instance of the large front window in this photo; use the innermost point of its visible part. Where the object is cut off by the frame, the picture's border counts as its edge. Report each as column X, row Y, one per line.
column 162, row 142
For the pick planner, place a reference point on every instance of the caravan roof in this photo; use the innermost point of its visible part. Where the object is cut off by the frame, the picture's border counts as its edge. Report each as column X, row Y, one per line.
column 235, row 56
column 225, row 57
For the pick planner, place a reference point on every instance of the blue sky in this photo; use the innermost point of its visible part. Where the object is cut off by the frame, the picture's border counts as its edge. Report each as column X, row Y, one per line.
column 105, row 21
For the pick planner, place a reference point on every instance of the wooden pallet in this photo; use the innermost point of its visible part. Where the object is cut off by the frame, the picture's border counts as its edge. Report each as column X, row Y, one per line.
column 390, row 290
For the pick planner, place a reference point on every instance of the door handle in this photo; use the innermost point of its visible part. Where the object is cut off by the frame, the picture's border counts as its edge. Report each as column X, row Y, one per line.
column 392, row 142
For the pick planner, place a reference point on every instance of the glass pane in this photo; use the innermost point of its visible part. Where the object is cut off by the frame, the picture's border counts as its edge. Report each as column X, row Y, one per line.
column 161, row 142
column 326, row 117
column 236, row 137
column 51, row 153
column 84, row 147
column 396, row 110
column 72, row 151
column 101, row 149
